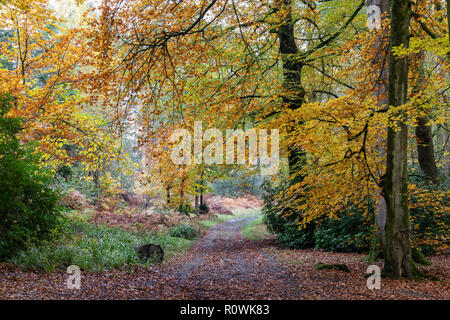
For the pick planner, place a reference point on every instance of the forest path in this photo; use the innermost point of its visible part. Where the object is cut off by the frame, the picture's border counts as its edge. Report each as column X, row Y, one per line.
column 224, row 265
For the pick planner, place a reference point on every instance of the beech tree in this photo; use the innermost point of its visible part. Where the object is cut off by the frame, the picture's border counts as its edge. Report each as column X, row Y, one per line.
column 397, row 252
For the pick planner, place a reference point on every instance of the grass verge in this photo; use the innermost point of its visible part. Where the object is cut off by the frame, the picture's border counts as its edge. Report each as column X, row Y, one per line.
column 96, row 248
column 256, row 230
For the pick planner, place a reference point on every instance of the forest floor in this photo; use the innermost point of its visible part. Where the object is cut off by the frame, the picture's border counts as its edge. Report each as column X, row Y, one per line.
column 225, row 265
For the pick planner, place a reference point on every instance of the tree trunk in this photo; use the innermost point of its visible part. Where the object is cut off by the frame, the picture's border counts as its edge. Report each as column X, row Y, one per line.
column 425, row 150
column 294, row 93
column 196, row 204
column 168, row 195
column 424, row 135
column 182, row 191
column 201, row 187
column 397, row 252
column 96, row 175
column 445, row 136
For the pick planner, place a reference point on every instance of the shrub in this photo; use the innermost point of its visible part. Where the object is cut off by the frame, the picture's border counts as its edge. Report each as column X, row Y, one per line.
column 349, row 233
column 296, row 238
column 185, row 231
column 28, row 207
column 283, row 221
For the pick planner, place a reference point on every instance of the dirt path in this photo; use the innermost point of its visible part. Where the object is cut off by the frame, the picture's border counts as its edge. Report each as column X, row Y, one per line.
column 223, row 265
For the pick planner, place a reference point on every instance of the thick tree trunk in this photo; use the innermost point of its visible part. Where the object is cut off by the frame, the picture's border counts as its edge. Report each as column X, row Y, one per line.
column 397, row 253
column 294, row 93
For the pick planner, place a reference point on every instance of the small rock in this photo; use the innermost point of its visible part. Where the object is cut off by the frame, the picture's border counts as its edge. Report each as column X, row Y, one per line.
column 150, row 251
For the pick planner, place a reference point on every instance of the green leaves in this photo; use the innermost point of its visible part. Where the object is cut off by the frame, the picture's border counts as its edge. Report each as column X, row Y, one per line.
column 28, row 206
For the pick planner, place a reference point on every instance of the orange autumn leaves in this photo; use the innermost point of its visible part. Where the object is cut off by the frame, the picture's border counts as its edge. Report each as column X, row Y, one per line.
column 39, row 64
column 164, row 65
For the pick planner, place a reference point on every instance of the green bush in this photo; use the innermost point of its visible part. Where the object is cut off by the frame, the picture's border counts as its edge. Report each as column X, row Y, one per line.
column 28, row 207
column 283, row 221
column 349, row 233
column 185, row 231
column 296, row 238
